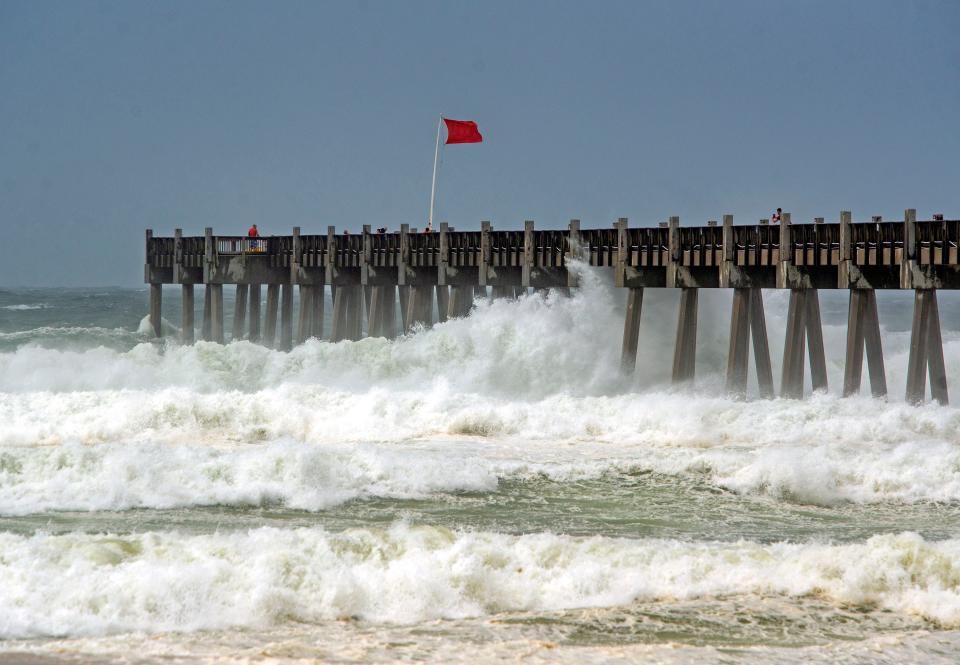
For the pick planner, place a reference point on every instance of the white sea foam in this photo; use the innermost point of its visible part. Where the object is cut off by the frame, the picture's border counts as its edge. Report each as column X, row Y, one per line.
column 536, row 381
column 300, row 476
column 169, row 581
column 25, row 307
column 312, row 447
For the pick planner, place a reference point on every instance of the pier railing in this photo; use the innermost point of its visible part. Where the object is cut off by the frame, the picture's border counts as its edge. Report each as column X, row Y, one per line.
column 873, row 243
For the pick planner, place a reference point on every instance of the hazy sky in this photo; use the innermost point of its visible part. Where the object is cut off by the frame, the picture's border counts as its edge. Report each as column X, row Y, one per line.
column 117, row 116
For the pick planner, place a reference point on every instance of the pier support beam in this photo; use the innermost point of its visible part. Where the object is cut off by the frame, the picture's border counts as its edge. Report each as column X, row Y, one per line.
column 355, row 313
column 818, row 359
column 403, row 293
column 216, row 313
column 685, row 349
column 747, row 321
column 254, row 335
column 631, row 331
column 443, row 302
column 286, row 317
column 156, row 298
column 338, row 332
column 347, row 313
column 367, row 303
column 206, row 326
column 375, row 313
column 926, row 350
column 803, row 328
column 420, row 307
column 270, row 322
column 504, row 292
column 738, row 355
column 186, row 313
column 305, row 318
column 461, row 301
column 240, row 312
column 791, row 380
column 761, row 345
column 383, row 308
column 863, row 328
column 318, row 305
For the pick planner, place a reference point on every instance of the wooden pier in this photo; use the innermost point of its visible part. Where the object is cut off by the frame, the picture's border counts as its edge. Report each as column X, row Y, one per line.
column 368, row 272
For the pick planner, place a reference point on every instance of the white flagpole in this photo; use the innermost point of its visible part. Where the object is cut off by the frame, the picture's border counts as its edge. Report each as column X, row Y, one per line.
column 433, row 187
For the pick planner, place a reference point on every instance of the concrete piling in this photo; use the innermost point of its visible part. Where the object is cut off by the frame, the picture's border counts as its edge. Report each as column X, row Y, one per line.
column 738, row 358
column 761, row 345
column 254, row 309
column 814, row 329
column 156, row 297
column 316, row 325
column 383, row 307
column 863, row 330
column 403, row 293
column 791, row 382
column 347, row 313
column 926, row 351
column 631, row 331
column 938, row 373
column 375, row 313
column 420, row 307
column 216, row 313
column 338, row 332
column 286, row 317
column 461, row 301
column 443, row 303
column 305, row 317
column 270, row 322
column 186, row 313
column 206, row 329
column 355, row 311
column 871, row 330
column 853, row 364
column 240, row 312
column 804, row 337
column 685, row 347
column 367, row 302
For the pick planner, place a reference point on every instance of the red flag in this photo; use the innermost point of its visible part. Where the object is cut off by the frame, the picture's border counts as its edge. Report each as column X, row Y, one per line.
column 462, row 131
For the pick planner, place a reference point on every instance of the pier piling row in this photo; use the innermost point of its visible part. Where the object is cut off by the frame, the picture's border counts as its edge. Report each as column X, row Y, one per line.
column 373, row 276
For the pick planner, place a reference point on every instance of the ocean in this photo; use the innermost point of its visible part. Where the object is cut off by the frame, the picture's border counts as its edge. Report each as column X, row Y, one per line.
column 488, row 490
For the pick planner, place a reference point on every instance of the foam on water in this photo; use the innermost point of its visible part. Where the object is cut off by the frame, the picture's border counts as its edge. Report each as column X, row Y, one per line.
column 535, row 380
column 407, row 574
column 311, row 447
column 25, row 307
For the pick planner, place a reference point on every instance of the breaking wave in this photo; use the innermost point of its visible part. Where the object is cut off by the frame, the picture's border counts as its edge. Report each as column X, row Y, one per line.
column 536, row 380
column 311, row 447
column 406, row 574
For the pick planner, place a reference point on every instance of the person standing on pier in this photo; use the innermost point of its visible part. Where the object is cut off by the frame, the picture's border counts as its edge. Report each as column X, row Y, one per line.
column 252, row 232
column 775, row 218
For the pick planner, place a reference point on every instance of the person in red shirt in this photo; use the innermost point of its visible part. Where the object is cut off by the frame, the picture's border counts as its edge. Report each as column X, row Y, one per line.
column 252, row 233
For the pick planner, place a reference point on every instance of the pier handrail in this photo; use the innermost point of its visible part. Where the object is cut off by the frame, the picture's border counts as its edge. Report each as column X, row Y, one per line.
column 875, row 242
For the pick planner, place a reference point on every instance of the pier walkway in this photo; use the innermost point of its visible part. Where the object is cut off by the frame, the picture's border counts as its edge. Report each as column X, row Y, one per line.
column 368, row 272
